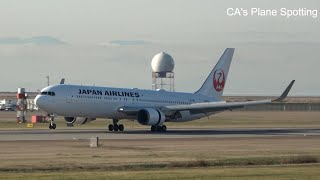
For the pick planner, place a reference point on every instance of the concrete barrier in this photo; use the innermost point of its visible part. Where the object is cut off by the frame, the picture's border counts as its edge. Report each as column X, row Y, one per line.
column 94, row 142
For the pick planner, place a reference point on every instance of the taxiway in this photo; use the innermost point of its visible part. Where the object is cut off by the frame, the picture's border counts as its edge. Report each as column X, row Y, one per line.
column 69, row 134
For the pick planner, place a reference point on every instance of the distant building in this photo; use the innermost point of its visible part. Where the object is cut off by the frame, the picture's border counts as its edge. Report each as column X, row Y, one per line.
column 8, row 101
column 8, row 104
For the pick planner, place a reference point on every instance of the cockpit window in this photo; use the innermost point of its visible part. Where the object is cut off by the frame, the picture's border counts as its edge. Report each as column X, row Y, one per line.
column 50, row 93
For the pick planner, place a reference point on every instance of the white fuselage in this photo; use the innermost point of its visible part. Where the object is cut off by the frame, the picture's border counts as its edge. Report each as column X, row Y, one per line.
column 103, row 102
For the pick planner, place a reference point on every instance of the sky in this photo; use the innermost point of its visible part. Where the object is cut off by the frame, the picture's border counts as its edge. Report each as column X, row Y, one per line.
column 112, row 42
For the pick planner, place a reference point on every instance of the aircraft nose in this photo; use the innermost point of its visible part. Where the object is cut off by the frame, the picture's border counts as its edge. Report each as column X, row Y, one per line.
column 39, row 101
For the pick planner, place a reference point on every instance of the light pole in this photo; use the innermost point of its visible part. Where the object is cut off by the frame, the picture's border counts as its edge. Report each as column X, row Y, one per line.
column 48, row 80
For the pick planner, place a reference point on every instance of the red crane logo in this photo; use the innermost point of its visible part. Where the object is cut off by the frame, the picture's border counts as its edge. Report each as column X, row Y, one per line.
column 218, row 80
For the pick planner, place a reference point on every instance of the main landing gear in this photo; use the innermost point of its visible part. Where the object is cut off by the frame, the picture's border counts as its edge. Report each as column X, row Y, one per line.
column 115, row 126
column 52, row 124
column 162, row 128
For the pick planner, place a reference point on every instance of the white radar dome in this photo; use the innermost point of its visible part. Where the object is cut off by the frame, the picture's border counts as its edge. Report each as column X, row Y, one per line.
column 162, row 62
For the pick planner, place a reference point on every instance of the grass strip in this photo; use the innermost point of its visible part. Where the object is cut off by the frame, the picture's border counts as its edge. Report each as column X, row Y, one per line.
column 233, row 162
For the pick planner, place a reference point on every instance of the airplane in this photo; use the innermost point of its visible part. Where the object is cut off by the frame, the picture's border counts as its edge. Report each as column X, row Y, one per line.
column 82, row 104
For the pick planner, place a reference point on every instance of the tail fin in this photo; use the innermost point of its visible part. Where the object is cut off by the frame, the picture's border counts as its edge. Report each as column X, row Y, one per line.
column 62, row 81
column 214, row 84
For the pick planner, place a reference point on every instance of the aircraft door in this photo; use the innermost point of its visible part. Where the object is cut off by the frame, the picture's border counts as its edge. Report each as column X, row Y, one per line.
column 69, row 98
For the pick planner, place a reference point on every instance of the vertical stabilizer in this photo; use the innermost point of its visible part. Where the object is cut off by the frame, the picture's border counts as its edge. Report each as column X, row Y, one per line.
column 215, row 83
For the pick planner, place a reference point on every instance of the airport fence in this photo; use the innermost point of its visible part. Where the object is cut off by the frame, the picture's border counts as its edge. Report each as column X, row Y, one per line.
column 284, row 107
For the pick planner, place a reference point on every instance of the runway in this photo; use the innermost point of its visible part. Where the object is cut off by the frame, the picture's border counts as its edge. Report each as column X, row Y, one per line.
column 134, row 134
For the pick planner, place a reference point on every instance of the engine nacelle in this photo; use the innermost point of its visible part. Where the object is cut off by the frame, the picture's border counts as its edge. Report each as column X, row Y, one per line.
column 78, row 120
column 150, row 116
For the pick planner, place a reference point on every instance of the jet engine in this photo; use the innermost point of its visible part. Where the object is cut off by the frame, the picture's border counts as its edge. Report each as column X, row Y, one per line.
column 150, row 116
column 78, row 120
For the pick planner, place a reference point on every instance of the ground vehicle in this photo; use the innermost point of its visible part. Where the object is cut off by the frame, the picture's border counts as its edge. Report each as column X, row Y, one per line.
column 9, row 107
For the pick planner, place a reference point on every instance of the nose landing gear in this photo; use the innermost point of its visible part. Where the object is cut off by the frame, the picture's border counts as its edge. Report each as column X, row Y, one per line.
column 52, row 124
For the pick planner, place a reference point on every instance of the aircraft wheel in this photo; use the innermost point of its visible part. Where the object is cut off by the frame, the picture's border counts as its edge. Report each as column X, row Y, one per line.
column 153, row 128
column 50, row 126
column 110, row 127
column 159, row 129
column 54, row 126
column 120, row 127
column 115, row 127
column 164, row 128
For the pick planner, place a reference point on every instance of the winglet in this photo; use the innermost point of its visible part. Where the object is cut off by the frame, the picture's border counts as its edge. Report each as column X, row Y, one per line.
column 62, row 81
column 285, row 93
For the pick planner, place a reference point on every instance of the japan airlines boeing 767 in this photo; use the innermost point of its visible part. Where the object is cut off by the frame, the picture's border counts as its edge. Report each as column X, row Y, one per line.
column 81, row 104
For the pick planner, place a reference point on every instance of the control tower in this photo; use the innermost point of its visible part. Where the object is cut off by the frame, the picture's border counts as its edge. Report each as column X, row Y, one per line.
column 162, row 66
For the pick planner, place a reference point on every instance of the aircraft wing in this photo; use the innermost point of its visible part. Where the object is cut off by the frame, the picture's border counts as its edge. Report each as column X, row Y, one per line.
column 212, row 106
column 221, row 106
column 208, row 106
column 195, row 107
